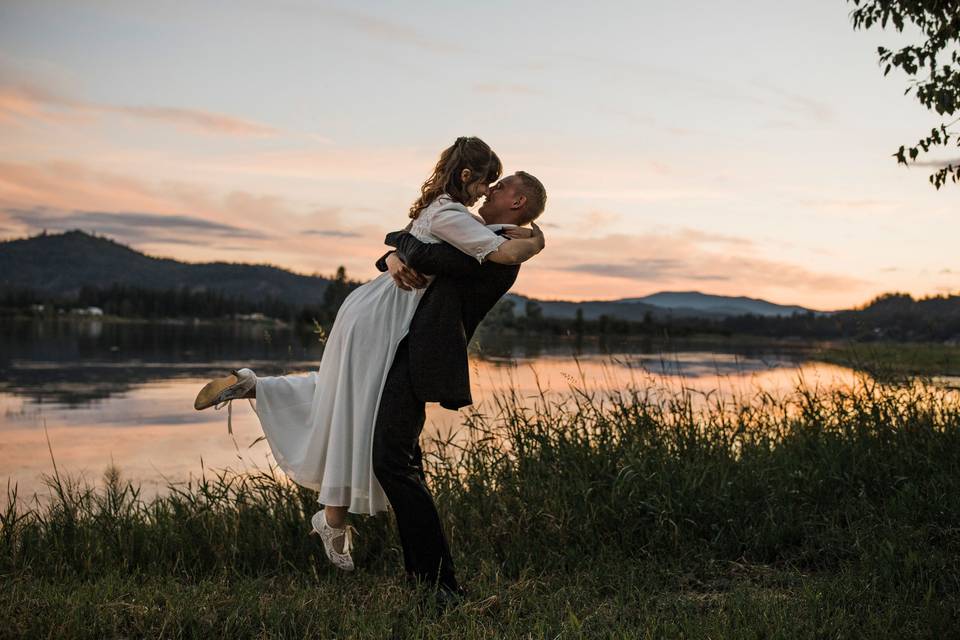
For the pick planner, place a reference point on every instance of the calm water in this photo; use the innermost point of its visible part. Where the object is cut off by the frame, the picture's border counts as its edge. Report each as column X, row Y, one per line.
column 103, row 392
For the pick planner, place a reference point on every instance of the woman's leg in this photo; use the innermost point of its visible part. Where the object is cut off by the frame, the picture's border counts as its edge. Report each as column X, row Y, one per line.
column 337, row 518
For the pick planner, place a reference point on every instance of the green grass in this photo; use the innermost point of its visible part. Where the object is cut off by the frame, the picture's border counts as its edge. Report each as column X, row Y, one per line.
column 893, row 359
column 822, row 514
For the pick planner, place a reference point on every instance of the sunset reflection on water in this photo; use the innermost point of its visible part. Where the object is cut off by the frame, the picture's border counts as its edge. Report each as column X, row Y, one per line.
column 154, row 436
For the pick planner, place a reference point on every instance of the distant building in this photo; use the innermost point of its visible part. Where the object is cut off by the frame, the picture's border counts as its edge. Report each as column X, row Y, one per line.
column 88, row 311
column 253, row 317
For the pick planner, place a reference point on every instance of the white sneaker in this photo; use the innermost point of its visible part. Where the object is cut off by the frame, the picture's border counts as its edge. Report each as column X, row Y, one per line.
column 328, row 534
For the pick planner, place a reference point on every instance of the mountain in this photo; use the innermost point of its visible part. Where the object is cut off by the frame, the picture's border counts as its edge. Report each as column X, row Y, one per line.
column 60, row 264
column 694, row 301
column 659, row 306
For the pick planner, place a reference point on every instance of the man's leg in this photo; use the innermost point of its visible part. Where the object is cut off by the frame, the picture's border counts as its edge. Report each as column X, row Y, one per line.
column 397, row 465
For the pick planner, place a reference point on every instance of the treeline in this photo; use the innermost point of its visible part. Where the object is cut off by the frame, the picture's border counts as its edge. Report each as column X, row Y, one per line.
column 129, row 301
column 506, row 316
column 892, row 317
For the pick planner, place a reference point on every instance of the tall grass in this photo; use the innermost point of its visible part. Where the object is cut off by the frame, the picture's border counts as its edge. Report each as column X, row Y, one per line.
column 609, row 513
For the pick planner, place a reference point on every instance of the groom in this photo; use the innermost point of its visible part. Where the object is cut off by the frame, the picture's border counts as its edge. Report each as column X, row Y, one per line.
column 431, row 366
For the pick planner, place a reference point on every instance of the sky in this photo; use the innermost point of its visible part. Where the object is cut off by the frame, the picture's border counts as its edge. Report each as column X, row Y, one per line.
column 732, row 147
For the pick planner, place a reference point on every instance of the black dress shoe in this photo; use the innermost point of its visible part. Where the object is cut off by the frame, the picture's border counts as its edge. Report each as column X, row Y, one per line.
column 450, row 597
column 442, row 599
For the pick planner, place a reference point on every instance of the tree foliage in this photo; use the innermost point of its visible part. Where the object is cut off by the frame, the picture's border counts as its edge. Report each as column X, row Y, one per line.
column 132, row 301
column 933, row 67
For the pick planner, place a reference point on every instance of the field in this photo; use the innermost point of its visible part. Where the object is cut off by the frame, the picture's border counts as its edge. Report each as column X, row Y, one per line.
column 894, row 360
column 620, row 514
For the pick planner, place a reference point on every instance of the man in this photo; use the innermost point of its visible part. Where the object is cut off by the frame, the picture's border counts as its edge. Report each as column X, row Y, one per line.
column 431, row 366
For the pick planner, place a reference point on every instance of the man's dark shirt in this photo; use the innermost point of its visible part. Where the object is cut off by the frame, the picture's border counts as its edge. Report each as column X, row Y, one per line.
column 462, row 293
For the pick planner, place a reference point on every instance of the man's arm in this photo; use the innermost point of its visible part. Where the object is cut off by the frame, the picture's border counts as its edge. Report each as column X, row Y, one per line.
column 431, row 258
column 381, row 264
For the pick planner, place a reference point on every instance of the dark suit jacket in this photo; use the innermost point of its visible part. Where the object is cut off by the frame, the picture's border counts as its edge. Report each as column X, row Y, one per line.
column 462, row 293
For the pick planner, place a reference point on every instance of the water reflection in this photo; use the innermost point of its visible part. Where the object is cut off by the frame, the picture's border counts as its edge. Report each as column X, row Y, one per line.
column 104, row 392
column 76, row 362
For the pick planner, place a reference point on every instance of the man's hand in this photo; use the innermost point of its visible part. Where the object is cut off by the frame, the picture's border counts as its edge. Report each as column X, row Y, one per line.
column 405, row 277
column 517, row 233
column 538, row 236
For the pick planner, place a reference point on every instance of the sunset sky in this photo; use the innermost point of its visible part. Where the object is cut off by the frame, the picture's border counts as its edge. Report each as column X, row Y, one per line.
column 733, row 147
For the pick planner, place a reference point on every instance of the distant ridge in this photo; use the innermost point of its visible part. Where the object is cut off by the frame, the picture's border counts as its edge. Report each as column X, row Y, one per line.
column 61, row 264
column 721, row 305
column 660, row 306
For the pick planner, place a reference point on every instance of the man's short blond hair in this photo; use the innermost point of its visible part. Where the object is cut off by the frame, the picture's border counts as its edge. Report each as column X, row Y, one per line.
column 536, row 196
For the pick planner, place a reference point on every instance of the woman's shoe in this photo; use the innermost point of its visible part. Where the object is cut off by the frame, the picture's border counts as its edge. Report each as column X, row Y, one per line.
column 221, row 390
column 328, row 534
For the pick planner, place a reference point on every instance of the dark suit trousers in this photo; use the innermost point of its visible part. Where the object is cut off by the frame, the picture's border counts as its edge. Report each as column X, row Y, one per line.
column 398, row 465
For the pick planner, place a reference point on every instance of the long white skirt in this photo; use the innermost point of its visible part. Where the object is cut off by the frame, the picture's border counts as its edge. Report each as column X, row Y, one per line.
column 320, row 426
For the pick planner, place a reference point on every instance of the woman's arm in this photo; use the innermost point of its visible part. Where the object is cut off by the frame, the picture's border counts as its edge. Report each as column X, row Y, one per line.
column 519, row 250
column 457, row 227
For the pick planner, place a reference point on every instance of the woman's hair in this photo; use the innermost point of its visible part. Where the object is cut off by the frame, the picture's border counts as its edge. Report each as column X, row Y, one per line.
column 465, row 153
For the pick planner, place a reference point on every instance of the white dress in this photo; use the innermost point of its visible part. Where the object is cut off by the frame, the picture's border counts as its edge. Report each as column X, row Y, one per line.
column 320, row 426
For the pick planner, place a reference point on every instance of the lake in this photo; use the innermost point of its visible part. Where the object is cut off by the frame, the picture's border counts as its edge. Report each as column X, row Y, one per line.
column 96, row 393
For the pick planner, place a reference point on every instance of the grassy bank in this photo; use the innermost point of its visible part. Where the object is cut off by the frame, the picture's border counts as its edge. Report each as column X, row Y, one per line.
column 824, row 514
column 894, row 359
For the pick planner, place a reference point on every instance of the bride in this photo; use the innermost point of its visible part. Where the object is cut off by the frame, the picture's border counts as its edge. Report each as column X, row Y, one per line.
column 320, row 426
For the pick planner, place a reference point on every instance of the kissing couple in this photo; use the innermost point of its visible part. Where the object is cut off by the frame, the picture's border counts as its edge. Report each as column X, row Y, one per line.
column 351, row 429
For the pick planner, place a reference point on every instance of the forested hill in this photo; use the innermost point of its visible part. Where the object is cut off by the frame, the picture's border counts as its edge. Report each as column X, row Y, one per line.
column 694, row 301
column 61, row 265
column 664, row 305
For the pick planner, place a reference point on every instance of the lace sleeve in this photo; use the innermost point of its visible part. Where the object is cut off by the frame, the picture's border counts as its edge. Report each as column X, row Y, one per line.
column 455, row 225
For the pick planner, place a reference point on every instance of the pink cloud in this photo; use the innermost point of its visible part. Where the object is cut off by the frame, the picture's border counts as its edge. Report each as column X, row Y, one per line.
column 15, row 104
column 169, row 218
column 621, row 265
column 194, row 119
column 387, row 31
column 405, row 167
column 598, row 219
column 24, row 102
column 505, row 87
